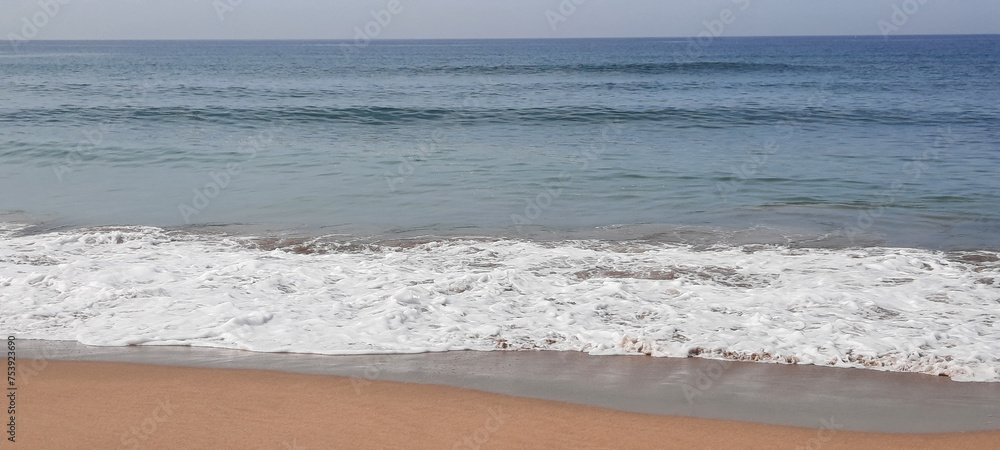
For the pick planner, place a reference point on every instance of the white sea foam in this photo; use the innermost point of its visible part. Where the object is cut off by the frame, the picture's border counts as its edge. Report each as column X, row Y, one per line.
column 890, row 309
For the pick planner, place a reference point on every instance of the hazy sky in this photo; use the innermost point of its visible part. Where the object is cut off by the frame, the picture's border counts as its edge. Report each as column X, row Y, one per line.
column 341, row 19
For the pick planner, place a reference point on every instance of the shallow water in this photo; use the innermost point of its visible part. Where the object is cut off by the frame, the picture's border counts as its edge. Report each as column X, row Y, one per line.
column 831, row 201
column 879, row 141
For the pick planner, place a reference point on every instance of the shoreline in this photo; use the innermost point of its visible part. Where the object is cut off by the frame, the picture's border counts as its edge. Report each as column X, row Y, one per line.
column 107, row 405
column 777, row 394
column 728, row 234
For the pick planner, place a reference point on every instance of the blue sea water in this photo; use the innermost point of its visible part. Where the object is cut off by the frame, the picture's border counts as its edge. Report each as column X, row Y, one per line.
column 824, row 200
column 836, row 140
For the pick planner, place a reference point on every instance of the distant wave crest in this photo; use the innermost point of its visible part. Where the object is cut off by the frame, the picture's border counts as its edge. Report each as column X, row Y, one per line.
column 705, row 117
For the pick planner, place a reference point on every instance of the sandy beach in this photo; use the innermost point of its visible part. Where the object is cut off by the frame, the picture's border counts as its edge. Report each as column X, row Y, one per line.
column 778, row 394
column 500, row 225
column 122, row 405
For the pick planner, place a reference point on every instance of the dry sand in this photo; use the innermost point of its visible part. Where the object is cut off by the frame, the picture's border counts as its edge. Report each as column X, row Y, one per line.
column 117, row 405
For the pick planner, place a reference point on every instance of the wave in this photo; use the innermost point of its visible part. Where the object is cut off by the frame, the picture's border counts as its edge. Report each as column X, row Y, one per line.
column 648, row 68
column 705, row 117
column 905, row 310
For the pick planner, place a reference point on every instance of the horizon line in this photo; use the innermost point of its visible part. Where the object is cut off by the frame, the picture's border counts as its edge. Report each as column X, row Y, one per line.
column 507, row 38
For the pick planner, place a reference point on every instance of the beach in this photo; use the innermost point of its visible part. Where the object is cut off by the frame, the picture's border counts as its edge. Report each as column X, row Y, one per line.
column 115, row 405
column 170, row 397
column 786, row 242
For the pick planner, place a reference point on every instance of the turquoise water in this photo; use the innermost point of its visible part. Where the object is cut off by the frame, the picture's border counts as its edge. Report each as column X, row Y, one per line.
column 833, row 140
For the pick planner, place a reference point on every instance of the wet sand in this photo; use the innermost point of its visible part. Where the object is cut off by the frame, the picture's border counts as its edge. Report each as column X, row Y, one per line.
column 792, row 395
column 115, row 405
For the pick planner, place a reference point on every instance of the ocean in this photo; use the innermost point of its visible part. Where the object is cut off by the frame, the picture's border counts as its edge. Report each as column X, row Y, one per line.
column 814, row 200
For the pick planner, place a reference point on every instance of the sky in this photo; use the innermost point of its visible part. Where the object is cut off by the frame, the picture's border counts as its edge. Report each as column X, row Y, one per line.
column 433, row 19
